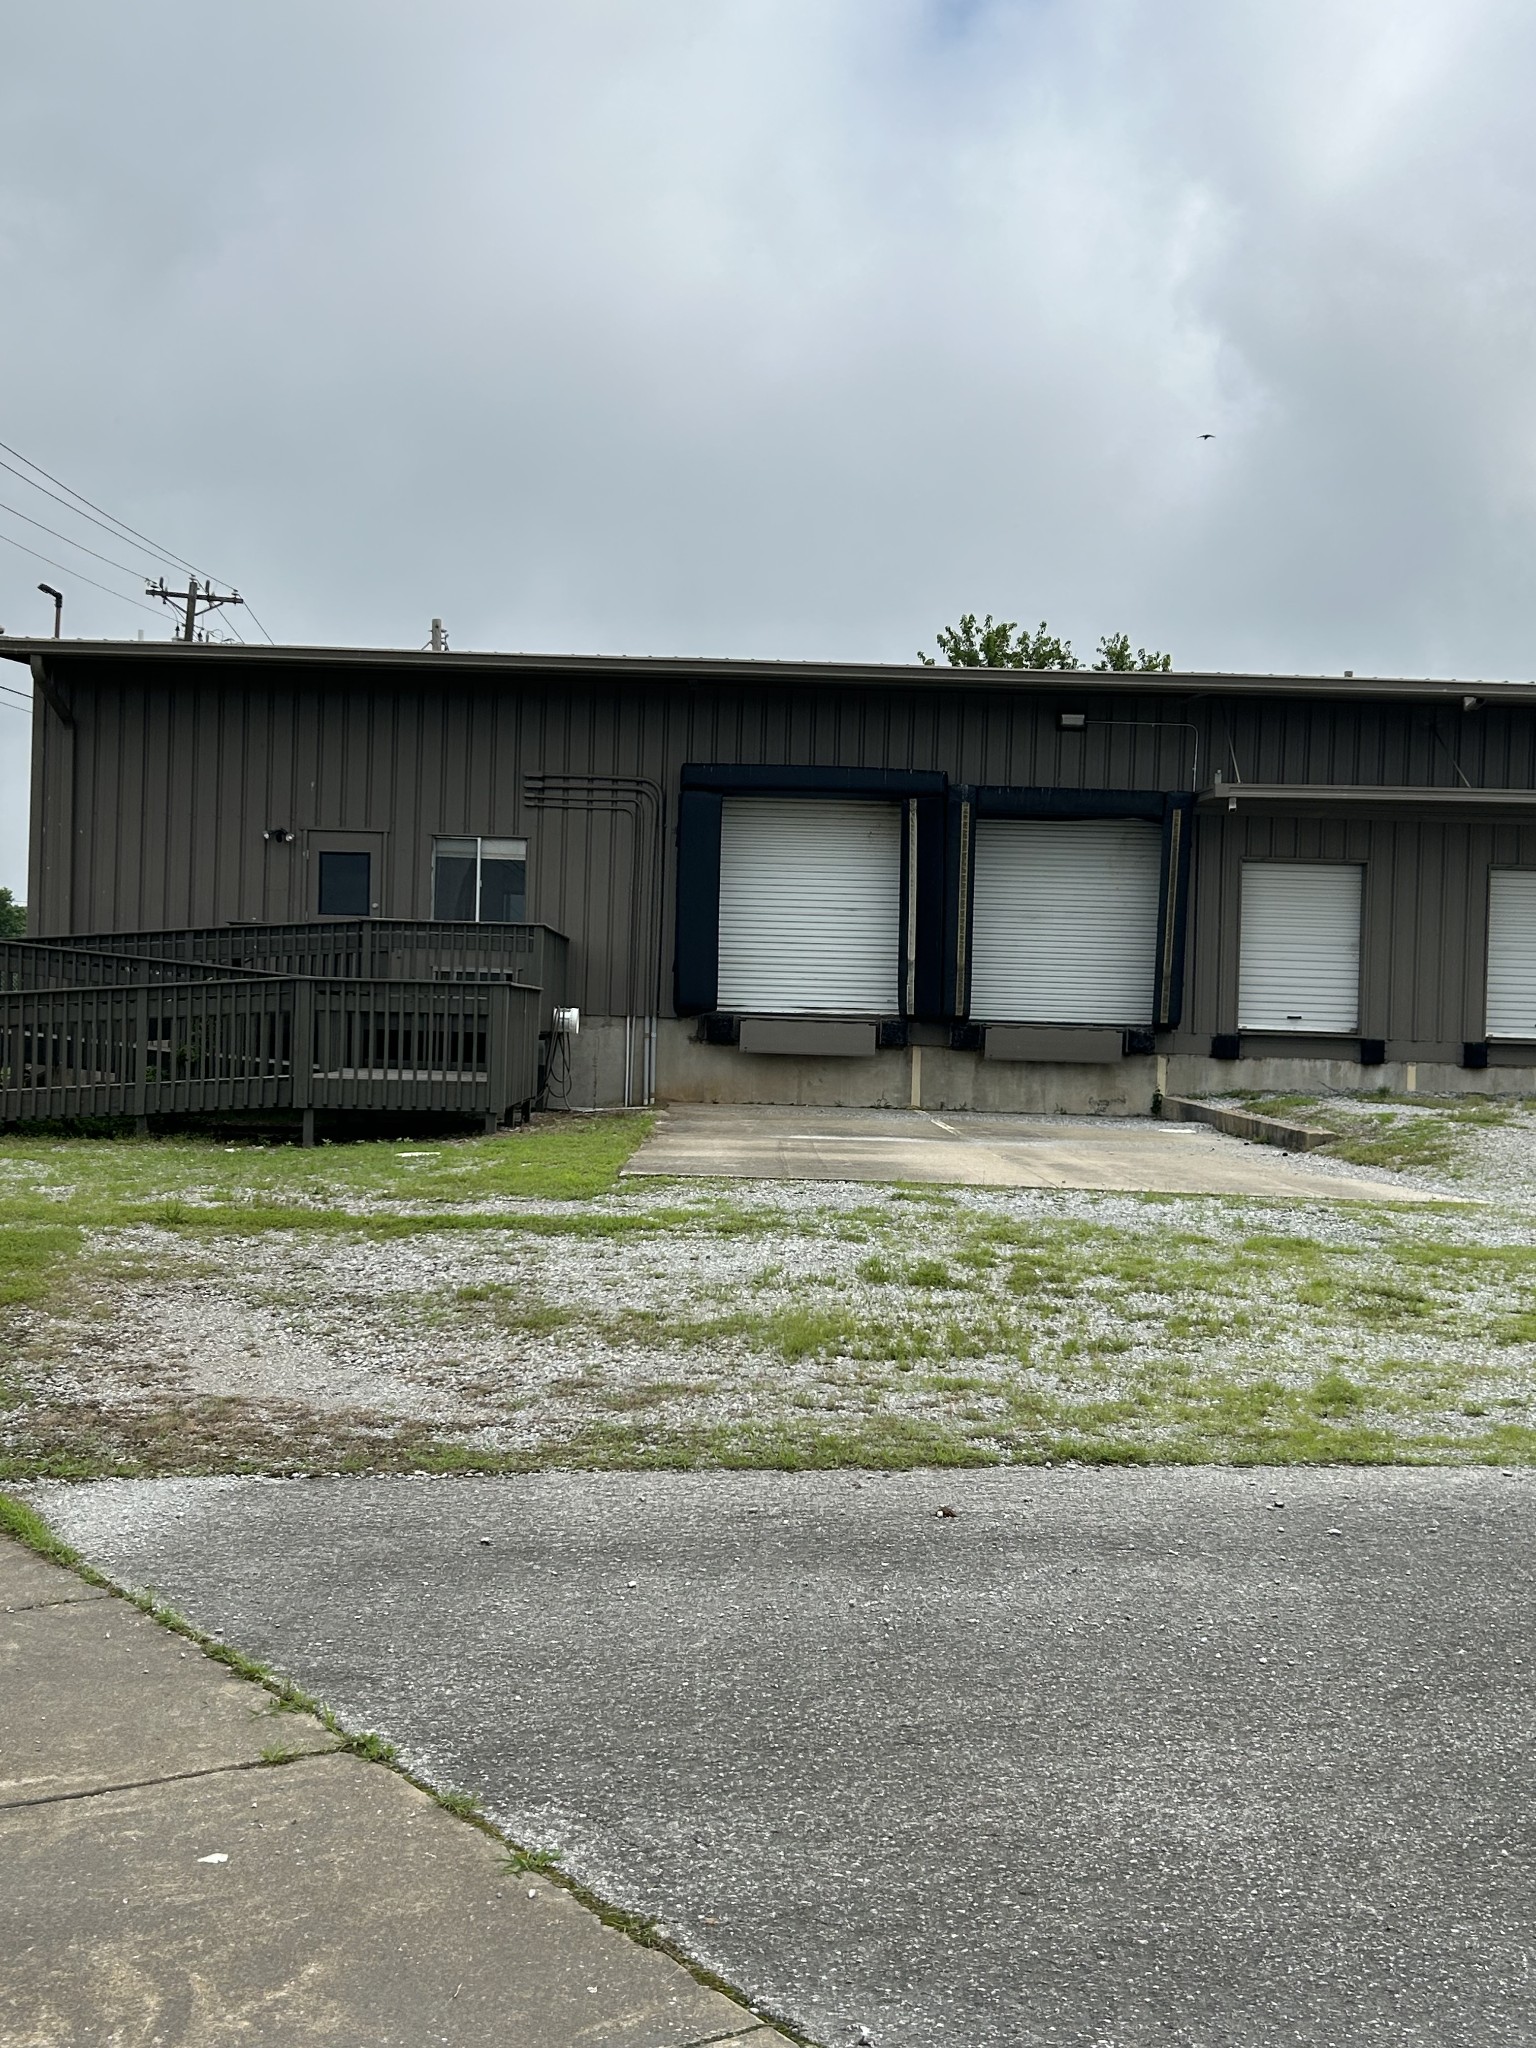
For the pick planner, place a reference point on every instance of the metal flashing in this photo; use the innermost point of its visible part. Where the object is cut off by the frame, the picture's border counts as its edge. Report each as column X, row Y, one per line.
column 234, row 664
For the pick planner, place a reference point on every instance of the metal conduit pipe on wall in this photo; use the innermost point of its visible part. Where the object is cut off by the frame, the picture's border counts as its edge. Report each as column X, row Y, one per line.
column 631, row 795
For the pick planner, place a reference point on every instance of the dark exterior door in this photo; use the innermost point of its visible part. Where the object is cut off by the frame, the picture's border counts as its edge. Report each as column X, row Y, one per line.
column 344, row 874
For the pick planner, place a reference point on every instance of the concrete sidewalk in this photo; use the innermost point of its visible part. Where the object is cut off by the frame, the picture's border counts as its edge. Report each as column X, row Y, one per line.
column 187, row 1862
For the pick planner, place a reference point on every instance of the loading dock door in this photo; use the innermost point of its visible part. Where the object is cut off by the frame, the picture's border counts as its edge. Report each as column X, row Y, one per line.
column 810, row 906
column 1299, row 946
column 1512, row 953
column 1064, row 920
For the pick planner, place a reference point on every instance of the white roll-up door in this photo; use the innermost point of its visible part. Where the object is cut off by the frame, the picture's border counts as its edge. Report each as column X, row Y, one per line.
column 1064, row 920
column 810, row 906
column 1299, row 947
column 1512, row 953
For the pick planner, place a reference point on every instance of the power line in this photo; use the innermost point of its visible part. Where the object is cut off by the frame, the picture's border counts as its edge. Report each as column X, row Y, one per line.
column 126, row 567
column 21, row 694
column 171, row 561
column 192, row 597
column 258, row 625
column 78, row 576
column 154, row 547
column 109, row 523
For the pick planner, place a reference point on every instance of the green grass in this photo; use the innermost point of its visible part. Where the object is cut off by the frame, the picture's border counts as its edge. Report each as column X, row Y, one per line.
column 33, row 1256
column 566, row 1160
column 1403, row 1133
column 908, row 1330
column 19, row 1521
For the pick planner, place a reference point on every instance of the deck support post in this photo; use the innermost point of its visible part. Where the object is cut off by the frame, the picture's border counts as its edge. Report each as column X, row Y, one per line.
column 307, row 1122
column 492, row 1122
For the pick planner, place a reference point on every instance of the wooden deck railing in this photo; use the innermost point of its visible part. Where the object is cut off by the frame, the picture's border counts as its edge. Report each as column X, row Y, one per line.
column 379, row 948
column 56, row 963
column 251, row 1042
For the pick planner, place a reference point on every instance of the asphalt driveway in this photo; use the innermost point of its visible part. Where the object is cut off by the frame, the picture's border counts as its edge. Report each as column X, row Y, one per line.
column 1103, row 1758
column 965, row 1149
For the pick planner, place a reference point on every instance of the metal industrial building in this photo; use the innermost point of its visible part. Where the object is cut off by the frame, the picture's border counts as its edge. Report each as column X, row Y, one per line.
column 833, row 883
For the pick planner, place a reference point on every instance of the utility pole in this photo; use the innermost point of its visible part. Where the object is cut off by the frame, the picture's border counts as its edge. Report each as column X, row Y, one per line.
column 194, row 596
column 58, row 606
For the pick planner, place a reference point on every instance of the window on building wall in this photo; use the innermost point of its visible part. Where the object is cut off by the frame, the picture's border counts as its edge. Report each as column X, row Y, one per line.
column 344, row 885
column 480, row 881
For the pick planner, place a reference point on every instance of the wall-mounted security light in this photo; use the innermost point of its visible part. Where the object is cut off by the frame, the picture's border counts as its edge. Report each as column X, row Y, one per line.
column 1470, row 703
column 1071, row 721
column 278, row 834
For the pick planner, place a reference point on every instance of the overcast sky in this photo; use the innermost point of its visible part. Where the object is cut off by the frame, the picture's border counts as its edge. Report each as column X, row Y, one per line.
column 782, row 326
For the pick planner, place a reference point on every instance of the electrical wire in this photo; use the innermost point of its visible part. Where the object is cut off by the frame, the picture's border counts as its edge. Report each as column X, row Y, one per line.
column 109, row 523
column 126, row 567
column 79, row 576
column 19, row 694
column 165, row 554
column 170, row 561
column 557, row 1071
column 259, row 626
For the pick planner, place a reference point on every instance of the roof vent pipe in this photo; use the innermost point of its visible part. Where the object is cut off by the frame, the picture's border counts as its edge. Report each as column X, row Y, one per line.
column 439, row 641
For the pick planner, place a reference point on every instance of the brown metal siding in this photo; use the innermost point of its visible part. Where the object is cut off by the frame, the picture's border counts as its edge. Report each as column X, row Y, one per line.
column 1424, row 923
column 176, row 779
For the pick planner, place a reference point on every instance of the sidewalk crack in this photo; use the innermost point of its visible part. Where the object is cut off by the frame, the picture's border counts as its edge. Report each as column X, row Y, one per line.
column 64, row 1600
column 753, row 2026
column 254, row 1763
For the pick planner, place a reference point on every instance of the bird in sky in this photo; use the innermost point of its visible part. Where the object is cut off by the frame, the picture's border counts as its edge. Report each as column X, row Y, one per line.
column 1207, row 437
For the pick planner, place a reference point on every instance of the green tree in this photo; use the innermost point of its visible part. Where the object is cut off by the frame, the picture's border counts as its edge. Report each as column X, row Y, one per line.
column 1000, row 645
column 1115, row 655
column 1003, row 644
column 13, row 916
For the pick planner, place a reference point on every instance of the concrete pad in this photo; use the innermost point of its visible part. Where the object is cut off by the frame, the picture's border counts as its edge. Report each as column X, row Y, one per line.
column 94, row 1694
column 27, row 1581
column 967, row 1150
column 350, row 1909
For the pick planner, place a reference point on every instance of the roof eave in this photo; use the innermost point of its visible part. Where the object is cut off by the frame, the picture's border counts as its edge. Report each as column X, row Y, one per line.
column 695, row 669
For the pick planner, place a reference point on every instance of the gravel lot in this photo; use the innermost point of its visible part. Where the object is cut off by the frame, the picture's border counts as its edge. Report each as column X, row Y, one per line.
column 810, row 1322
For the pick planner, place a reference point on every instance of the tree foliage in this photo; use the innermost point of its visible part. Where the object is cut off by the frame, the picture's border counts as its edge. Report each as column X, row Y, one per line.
column 1002, row 643
column 1115, row 655
column 13, row 916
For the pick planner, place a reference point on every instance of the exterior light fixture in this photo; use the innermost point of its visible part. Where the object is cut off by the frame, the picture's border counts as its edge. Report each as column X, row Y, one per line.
column 1071, row 721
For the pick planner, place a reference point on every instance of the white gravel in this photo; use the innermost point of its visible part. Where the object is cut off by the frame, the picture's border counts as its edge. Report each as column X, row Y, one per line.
column 559, row 1332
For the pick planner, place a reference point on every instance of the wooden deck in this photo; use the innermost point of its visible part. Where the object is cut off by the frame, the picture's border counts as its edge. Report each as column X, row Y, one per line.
column 89, row 1031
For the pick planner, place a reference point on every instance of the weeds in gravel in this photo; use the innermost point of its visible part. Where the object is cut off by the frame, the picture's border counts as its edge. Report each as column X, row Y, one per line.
column 33, row 1256
column 671, row 1325
column 1403, row 1133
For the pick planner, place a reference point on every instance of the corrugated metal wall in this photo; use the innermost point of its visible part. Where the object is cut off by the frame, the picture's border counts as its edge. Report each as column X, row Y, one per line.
column 1424, row 925
column 159, row 819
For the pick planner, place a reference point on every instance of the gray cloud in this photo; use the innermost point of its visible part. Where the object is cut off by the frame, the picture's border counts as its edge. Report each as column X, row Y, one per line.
column 786, row 328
